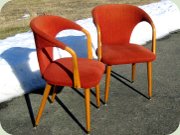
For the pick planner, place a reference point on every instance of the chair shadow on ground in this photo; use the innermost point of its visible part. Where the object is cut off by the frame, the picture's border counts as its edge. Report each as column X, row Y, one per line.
column 18, row 59
column 120, row 78
column 28, row 101
column 59, row 90
column 70, row 113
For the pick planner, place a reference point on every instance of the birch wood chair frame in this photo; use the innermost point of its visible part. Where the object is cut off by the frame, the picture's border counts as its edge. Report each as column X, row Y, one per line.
column 45, row 29
column 110, row 13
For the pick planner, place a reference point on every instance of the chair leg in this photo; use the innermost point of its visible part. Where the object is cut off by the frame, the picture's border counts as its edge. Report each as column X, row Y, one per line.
column 54, row 94
column 43, row 103
column 87, row 107
column 149, row 74
column 133, row 71
column 108, row 74
column 98, row 96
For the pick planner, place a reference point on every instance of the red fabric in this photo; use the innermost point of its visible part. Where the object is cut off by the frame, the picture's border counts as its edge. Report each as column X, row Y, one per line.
column 117, row 21
column 45, row 29
column 51, row 25
column 60, row 72
column 126, row 54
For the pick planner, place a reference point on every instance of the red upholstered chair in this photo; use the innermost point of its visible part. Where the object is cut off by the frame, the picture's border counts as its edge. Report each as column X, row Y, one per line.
column 72, row 71
column 115, row 23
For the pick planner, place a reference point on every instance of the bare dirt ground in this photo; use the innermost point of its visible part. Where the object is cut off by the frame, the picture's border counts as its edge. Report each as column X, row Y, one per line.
column 12, row 21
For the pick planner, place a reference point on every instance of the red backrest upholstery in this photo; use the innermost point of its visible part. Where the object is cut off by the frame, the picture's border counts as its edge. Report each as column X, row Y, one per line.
column 116, row 21
column 45, row 28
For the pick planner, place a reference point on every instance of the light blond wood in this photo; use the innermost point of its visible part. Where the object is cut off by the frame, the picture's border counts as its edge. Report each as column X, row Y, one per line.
column 54, row 94
column 98, row 95
column 133, row 71
column 153, row 48
column 43, row 103
column 89, row 47
column 149, row 75
column 108, row 76
column 153, row 38
column 87, row 108
column 77, row 83
column 99, row 43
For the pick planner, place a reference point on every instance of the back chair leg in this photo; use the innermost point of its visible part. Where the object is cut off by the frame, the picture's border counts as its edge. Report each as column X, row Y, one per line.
column 108, row 75
column 98, row 96
column 54, row 94
column 133, row 71
column 87, row 107
column 149, row 74
column 43, row 103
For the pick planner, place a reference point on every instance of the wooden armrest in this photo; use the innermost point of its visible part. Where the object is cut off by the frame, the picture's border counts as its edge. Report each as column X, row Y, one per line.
column 89, row 47
column 55, row 43
column 99, row 51
column 149, row 20
column 76, row 78
column 153, row 38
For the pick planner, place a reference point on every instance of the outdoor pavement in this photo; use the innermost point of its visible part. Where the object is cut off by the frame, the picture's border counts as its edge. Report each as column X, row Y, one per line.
column 128, row 112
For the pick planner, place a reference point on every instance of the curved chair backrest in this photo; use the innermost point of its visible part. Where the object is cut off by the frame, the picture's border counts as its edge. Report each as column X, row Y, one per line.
column 116, row 21
column 45, row 29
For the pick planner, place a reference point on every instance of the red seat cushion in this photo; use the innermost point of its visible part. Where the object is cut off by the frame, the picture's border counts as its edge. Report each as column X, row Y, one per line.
column 126, row 54
column 60, row 72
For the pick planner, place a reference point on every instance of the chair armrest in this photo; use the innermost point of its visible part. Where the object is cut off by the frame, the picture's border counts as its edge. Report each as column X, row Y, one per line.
column 55, row 43
column 89, row 48
column 76, row 78
column 99, row 51
column 149, row 20
column 153, row 48
column 153, row 38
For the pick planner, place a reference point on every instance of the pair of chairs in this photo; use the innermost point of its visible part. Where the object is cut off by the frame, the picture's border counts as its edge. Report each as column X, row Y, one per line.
column 114, row 23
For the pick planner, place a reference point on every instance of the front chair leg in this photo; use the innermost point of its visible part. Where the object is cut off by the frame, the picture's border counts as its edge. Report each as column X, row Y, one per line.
column 87, row 108
column 108, row 75
column 149, row 74
column 43, row 103
column 54, row 94
column 98, row 96
column 133, row 71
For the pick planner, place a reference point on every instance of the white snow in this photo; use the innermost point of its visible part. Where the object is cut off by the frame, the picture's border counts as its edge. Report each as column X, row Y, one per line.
column 19, row 70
